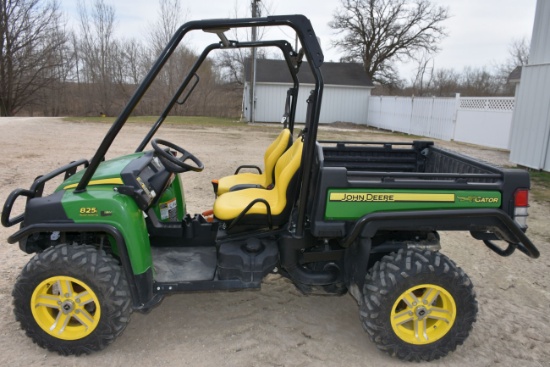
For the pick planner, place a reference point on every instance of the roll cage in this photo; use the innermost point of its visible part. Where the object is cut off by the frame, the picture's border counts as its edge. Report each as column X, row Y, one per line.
column 311, row 50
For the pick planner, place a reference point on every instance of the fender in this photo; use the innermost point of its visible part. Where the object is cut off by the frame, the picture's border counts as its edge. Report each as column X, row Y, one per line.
column 141, row 285
column 491, row 220
column 356, row 260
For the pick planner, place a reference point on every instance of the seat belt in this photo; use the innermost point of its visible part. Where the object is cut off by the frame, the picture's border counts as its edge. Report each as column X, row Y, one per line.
column 286, row 115
column 309, row 111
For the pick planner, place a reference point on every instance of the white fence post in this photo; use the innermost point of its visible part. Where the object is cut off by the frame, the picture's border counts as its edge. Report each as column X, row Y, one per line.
column 455, row 116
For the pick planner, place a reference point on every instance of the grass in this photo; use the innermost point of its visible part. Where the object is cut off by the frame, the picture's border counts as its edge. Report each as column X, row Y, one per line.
column 191, row 121
column 188, row 120
column 541, row 185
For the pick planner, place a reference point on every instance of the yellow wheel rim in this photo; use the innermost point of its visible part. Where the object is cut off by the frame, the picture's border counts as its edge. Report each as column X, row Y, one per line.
column 65, row 307
column 423, row 314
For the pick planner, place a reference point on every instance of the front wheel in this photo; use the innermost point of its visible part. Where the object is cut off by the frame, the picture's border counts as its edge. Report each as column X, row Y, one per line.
column 417, row 305
column 72, row 299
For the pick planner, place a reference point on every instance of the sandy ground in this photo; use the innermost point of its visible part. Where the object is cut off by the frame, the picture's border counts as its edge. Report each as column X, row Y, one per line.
column 276, row 326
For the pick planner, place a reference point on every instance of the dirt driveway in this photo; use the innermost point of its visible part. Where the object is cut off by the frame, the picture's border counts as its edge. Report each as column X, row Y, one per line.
column 276, row 326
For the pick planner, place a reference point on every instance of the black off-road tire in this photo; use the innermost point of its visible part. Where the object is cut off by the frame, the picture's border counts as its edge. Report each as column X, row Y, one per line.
column 99, row 272
column 396, row 274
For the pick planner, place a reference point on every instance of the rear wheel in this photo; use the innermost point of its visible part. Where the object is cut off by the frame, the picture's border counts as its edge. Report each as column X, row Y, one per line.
column 72, row 299
column 417, row 305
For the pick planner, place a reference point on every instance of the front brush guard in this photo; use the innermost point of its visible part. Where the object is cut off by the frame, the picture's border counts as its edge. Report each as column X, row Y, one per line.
column 36, row 190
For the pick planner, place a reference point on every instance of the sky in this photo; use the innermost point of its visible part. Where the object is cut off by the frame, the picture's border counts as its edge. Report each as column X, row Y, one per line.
column 479, row 31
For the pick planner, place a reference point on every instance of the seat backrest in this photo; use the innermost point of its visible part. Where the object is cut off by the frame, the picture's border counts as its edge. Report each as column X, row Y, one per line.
column 285, row 170
column 273, row 153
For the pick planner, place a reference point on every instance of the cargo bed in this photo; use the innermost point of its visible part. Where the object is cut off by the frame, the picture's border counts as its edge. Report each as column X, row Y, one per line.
column 419, row 159
column 358, row 179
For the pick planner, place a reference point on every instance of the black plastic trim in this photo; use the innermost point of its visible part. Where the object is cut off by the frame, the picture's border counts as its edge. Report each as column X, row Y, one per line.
column 290, row 248
column 356, row 261
column 46, row 209
column 248, row 166
column 245, row 186
column 203, row 285
column 493, row 220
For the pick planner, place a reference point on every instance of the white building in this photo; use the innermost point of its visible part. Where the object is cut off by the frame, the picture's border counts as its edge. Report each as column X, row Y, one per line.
column 530, row 135
column 345, row 96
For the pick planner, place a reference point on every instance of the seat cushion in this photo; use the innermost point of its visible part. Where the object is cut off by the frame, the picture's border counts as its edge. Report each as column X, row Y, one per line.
column 229, row 205
column 227, row 182
column 271, row 156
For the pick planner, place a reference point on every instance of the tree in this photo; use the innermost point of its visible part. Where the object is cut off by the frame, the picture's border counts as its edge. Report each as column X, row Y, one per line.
column 518, row 55
column 446, row 83
column 30, row 38
column 232, row 62
column 479, row 82
column 98, row 53
column 53, row 99
column 170, row 17
column 380, row 32
column 423, row 80
column 518, row 52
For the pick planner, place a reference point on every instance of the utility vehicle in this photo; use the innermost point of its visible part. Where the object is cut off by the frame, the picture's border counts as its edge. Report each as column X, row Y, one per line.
column 332, row 216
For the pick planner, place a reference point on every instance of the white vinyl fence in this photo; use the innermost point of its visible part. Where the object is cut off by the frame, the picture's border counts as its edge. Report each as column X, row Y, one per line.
column 476, row 120
column 485, row 121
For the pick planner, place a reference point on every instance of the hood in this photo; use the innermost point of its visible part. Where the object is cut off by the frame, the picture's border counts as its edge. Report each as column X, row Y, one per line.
column 107, row 173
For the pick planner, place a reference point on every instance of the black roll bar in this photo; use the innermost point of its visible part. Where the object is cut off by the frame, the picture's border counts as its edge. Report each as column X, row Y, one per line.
column 312, row 51
column 283, row 45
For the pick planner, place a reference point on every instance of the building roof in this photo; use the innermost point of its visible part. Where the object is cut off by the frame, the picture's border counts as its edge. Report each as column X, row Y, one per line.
column 334, row 73
column 515, row 75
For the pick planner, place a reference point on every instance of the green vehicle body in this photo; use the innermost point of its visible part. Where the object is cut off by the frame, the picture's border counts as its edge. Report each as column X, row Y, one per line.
column 102, row 204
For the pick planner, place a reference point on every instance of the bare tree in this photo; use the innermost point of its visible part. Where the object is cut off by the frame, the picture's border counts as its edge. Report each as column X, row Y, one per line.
column 518, row 52
column 518, row 56
column 30, row 37
column 446, row 83
column 424, row 78
column 171, row 16
column 232, row 62
column 98, row 53
column 54, row 98
column 479, row 82
column 132, row 61
column 380, row 32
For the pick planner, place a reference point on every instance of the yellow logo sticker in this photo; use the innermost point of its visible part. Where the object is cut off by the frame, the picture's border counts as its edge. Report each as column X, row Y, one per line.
column 477, row 199
column 86, row 212
column 390, row 197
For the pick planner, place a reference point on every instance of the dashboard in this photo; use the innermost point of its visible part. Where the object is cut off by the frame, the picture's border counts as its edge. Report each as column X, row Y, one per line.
column 145, row 179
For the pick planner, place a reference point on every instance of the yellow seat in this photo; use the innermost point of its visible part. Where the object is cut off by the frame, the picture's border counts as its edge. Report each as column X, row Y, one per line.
column 230, row 205
column 263, row 179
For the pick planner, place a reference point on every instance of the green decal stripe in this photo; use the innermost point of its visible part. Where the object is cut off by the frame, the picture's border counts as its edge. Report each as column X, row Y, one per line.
column 350, row 204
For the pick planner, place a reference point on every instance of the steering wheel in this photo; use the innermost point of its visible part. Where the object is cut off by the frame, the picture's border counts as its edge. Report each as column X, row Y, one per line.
column 172, row 163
